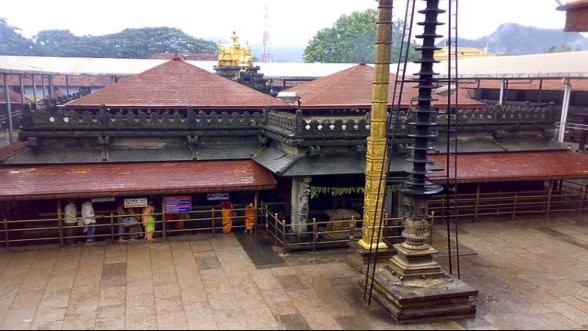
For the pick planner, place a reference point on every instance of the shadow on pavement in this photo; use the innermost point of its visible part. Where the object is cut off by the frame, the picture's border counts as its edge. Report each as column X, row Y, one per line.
column 260, row 249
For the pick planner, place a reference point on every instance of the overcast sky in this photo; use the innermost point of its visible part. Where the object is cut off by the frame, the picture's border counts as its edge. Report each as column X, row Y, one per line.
column 287, row 22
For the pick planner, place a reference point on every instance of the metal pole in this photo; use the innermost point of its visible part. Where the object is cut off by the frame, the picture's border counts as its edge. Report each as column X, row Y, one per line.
column 9, row 110
column 564, row 109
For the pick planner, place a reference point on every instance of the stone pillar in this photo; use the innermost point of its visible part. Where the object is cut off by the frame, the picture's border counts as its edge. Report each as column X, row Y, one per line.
column 300, row 195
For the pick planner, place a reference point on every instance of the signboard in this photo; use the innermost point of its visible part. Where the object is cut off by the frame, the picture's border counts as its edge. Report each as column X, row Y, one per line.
column 103, row 199
column 135, row 203
column 178, row 204
column 218, row 196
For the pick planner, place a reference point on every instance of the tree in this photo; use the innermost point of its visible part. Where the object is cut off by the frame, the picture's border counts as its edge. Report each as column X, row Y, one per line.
column 143, row 43
column 59, row 43
column 352, row 39
column 130, row 43
column 12, row 43
column 562, row 48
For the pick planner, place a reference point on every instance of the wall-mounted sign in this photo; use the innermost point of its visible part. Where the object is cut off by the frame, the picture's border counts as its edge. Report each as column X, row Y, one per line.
column 178, row 204
column 218, row 196
column 135, row 202
column 103, row 199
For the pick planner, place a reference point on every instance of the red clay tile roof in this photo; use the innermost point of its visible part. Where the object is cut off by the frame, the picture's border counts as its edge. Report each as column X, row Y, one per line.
column 107, row 180
column 353, row 88
column 7, row 150
column 177, row 84
column 508, row 166
column 15, row 97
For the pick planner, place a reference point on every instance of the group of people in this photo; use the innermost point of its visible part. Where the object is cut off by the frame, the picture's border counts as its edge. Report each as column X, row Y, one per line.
column 227, row 212
column 72, row 222
column 129, row 226
column 128, row 223
column 132, row 224
column 127, row 219
column 176, row 221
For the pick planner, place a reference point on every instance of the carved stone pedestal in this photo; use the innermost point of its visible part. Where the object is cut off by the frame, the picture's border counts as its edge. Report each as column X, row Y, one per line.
column 413, row 288
column 450, row 298
column 362, row 257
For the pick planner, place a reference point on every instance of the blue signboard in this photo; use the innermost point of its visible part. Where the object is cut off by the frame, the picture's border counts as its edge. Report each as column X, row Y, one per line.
column 178, row 204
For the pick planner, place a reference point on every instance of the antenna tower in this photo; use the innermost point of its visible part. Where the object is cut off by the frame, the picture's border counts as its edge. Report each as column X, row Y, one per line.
column 266, row 56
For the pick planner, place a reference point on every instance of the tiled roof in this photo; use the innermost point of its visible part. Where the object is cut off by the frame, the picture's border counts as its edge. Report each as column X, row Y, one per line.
column 15, row 97
column 519, row 166
column 179, row 85
column 147, row 178
column 8, row 150
column 353, row 88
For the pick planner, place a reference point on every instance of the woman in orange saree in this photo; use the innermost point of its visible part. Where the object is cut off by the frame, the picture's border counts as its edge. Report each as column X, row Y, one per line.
column 227, row 214
column 249, row 218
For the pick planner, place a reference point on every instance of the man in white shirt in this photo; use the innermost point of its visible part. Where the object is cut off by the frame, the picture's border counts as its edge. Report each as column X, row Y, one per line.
column 88, row 217
column 70, row 218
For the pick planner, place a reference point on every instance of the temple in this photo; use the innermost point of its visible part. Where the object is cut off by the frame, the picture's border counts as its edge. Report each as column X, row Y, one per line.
column 235, row 62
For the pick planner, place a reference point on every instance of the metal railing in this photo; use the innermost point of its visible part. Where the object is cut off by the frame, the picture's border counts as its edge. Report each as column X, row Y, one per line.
column 53, row 230
column 318, row 235
column 569, row 197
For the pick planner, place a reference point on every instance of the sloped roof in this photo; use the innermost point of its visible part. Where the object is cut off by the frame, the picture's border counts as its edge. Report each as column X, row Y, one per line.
column 532, row 66
column 508, row 166
column 14, row 97
column 179, row 85
column 353, row 88
column 115, row 179
column 75, row 65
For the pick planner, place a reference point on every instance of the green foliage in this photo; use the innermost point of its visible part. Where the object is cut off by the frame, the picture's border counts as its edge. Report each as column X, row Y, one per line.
column 12, row 43
column 335, row 191
column 142, row 43
column 561, row 49
column 55, row 42
column 130, row 43
column 352, row 39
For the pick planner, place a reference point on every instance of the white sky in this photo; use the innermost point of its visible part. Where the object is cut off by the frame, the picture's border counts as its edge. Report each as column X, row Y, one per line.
column 288, row 22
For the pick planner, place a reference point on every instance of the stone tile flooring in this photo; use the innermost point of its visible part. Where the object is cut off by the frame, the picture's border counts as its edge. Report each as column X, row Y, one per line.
column 531, row 274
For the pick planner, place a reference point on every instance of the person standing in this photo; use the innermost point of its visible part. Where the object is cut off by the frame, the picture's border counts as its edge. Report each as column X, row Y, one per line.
column 227, row 214
column 70, row 218
column 89, row 219
column 148, row 220
column 120, row 219
column 132, row 225
column 181, row 220
column 249, row 218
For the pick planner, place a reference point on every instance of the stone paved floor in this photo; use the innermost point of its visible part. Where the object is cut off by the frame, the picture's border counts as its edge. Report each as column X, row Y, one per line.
column 531, row 274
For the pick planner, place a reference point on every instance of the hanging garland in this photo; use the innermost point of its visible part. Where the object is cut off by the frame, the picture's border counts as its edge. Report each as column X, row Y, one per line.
column 336, row 191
